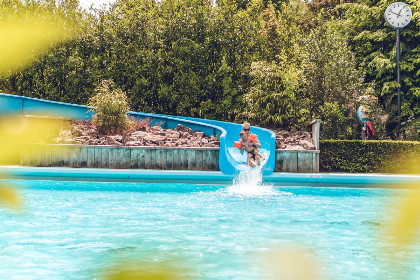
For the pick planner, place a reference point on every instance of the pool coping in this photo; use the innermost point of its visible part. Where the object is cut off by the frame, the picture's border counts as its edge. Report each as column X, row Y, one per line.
column 207, row 177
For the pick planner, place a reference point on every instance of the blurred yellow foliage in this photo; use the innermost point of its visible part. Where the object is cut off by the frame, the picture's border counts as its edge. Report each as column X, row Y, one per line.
column 26, row 36
column 142, row 271
column 403, row 231
column 294, row 263
column 10, row 197
column 18, row 134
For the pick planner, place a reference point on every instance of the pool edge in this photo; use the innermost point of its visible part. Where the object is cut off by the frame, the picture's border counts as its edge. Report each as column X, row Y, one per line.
column 206, row 177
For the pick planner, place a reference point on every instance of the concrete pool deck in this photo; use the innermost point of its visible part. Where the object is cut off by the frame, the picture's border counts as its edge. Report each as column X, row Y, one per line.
column 207, row 177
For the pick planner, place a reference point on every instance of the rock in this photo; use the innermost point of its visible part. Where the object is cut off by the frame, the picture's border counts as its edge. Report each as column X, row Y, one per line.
column 112, row 141
column 294, row 140
column 155, row 128
column 139, row 133
column 182, row 136
column 198, row 134
column 133, row 143
column 182, row 128
column 186, row 135
column 174, row 134
column 153, row 138
column 307, row 145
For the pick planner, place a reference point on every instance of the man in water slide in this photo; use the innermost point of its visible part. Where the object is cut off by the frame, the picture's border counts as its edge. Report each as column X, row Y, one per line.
column 252, row 148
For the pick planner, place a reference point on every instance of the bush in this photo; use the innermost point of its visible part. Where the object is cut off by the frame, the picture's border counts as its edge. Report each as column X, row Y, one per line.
column 111, row 108
column 370, row 156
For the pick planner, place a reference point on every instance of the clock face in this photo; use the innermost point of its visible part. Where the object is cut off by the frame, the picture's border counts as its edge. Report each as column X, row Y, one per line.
column 398, row 14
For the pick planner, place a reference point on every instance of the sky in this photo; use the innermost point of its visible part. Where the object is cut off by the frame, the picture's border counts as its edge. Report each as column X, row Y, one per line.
column 96, row 3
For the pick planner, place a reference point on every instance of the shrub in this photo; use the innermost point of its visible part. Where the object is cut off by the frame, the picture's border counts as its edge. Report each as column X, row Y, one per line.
column 370, row 156
column 111, row 108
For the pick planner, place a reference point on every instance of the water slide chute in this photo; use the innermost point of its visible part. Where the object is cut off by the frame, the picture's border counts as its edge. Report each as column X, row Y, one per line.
column 226, row 131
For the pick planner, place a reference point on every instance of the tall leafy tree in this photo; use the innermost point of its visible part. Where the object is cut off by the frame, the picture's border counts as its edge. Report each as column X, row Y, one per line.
column 374, row 44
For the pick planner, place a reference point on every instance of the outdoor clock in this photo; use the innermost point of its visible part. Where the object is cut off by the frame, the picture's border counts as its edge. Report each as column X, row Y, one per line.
column 398, row 14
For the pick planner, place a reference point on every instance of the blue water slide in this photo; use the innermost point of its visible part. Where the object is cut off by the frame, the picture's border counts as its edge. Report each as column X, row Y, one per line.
column 228, row 164
column 227, row 132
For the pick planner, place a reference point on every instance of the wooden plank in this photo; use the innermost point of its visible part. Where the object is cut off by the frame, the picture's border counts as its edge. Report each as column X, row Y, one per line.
column 84, row 153
column 205, row 159
column 125, row 156
column 30, row 156
column 170, row 159
column 279, row 162
column 60, row 156
column 176, row 160
column 91, row 157
column 47, row 156
column 198, row 159
column 141, row 153
column 74, row 156
column 54, row 155
column 114, row 155
column 191, row 159
column 286, row 162
column 67, row 154
column 97, row 157
column 216, row 159
column 183, row 159
column 304, row 162
column 111, row 157
column 213, row 156
column 134, row 159
column 148, row 159
column 37, row 154
column 24, row 157
column 161, row 158
column 105, row 157
column 316, row 162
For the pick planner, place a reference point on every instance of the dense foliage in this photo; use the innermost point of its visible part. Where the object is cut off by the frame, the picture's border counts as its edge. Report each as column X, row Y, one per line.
column 370, row 156
column 278, row 64
column 110, row 108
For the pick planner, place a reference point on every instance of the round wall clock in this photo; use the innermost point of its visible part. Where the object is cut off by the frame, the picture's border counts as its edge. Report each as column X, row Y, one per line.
column 398, row 14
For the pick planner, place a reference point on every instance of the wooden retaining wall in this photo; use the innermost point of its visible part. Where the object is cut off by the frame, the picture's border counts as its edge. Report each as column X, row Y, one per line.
column 124, row 157
column 297, row 161
column 206, row 159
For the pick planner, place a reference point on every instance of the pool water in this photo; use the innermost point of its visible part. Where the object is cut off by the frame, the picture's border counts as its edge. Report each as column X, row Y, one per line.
column 75, row 230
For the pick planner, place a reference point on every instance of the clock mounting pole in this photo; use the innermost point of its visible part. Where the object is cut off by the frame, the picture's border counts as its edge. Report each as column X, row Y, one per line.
column 398, row 15
column 398, row 81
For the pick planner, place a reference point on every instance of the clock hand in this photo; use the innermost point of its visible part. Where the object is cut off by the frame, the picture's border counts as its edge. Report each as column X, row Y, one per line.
column 398, row 15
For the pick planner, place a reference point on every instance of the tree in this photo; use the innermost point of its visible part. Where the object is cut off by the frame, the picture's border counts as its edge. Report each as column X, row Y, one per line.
column 330, row 81
column 373, row 42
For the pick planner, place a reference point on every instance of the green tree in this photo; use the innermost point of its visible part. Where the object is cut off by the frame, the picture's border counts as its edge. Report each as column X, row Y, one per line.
column 111, row 108
column 330, row 81
column 373, row 42
column 271, row 101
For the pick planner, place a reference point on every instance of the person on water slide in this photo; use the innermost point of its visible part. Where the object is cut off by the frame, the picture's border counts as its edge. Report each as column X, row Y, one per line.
column 250, row 143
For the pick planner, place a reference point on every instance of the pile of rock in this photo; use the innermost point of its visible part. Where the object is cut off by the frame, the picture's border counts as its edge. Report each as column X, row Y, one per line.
column 294, row 140
column 181, row 136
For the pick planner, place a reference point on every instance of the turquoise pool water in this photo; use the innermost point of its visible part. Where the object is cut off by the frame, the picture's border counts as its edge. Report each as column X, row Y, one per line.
column 74, row 230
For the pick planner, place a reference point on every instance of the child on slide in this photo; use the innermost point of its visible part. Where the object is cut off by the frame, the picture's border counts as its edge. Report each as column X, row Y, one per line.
column 254, row 156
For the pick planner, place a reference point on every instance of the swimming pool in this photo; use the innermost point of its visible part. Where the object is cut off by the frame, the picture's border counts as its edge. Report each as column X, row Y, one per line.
column 74, row 230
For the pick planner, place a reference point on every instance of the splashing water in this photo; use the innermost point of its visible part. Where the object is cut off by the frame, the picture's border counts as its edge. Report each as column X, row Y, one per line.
column 249, row 182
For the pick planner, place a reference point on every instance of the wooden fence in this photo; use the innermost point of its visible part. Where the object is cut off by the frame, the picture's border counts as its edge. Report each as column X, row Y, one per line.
column 206, row 159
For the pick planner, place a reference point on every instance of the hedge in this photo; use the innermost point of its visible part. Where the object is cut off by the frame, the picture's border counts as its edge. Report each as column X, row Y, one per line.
column 402, row 157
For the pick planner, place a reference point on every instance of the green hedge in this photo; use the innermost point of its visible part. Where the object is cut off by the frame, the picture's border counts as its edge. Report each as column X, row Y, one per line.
column 370, row 156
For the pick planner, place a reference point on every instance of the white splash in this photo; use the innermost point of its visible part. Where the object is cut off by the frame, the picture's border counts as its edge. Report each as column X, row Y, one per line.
column 249, row 182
